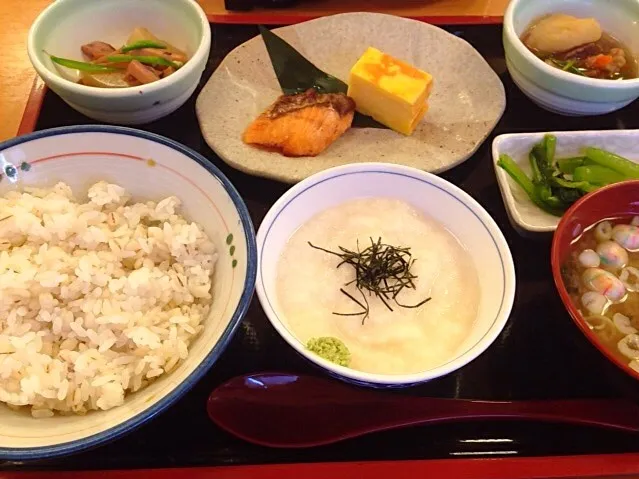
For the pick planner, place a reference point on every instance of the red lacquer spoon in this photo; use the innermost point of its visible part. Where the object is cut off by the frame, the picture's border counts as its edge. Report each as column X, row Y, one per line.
column 291, row 410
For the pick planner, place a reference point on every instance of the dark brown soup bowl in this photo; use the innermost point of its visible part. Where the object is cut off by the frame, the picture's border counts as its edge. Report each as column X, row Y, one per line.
column 617, row 200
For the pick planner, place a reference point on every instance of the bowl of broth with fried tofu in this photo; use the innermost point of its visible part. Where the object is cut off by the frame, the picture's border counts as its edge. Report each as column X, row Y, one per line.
column 576, row 58
column 595, row 263
column 580, row 46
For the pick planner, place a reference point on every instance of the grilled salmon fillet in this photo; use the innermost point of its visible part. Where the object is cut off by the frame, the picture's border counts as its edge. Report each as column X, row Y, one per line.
column 302, row 125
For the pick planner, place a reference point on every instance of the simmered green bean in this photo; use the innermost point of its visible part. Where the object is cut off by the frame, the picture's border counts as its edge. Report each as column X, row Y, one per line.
column 82, row 66
column 148, row 60
column 142, row 44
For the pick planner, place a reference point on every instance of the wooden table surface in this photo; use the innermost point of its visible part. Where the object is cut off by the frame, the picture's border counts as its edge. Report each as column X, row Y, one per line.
column 16, row 16
column 16, row 74
column 305, row 9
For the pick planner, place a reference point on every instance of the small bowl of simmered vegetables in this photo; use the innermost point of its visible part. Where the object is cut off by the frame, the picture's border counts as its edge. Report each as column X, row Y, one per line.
column 119, row 61
column 577, row 57
column 595, row 264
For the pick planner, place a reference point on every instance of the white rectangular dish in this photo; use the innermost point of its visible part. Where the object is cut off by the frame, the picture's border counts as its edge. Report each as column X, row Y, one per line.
column 523, row 213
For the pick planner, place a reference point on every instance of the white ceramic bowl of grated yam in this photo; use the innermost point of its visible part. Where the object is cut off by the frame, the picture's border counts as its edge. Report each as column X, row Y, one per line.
column 333, row 244
column 126, row 263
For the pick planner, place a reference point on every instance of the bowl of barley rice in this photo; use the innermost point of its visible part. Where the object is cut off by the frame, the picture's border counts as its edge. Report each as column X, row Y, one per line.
column 127, row 262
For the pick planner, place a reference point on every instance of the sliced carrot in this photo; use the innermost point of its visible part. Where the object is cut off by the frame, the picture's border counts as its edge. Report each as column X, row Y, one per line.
column 602, row 61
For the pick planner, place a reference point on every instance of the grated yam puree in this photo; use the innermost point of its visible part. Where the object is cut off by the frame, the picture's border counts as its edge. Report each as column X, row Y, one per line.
column 402, row 341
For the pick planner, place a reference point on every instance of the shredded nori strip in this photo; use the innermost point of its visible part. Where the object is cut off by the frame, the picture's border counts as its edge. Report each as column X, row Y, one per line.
column 382, row 270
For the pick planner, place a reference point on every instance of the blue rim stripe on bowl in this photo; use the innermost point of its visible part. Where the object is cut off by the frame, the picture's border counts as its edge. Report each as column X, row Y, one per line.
column 133, row 423
column 406, row 175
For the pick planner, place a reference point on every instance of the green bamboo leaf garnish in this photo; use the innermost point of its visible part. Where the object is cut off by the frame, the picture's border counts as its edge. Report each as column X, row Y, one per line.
column 142, row 44
column 82, row 66
column 296, row 74
column 148, row 60
column 381, row 270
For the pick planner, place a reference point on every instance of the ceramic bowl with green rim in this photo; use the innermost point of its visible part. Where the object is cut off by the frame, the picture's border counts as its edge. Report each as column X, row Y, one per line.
column 149, row 167
column 65, row 25
column 563, row 92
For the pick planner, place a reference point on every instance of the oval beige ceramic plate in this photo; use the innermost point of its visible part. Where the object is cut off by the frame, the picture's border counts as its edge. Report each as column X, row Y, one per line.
column 467, row 100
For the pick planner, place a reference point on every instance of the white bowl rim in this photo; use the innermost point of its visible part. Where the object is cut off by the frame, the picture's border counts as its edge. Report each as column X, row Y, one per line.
column 108, row 435
column 59, row 81
column 387, row 380
column 514, row 39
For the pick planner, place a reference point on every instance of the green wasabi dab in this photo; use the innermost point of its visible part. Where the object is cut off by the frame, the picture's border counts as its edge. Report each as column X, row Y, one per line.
column 331, row 349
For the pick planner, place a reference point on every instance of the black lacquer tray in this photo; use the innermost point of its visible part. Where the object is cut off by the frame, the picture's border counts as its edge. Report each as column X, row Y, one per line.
column 539, row 355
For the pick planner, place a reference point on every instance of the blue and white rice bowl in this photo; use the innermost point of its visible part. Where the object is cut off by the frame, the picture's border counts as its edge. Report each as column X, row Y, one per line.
column 150, row 168
column 438, row 199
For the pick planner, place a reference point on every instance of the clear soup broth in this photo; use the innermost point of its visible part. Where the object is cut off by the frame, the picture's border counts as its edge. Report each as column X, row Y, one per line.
column 579, row 46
